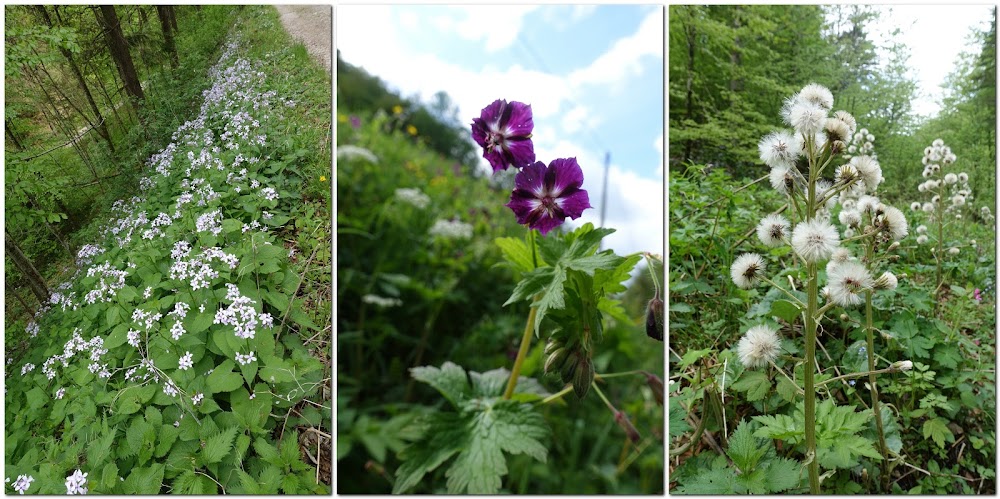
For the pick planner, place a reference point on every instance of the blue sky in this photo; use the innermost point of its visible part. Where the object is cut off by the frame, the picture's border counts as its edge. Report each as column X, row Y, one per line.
column 593, row 75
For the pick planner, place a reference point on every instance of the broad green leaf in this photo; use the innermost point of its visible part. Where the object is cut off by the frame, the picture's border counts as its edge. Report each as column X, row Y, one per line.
column 217, row 446
column 720, row 481
column 937, row 429
column 678, row 419
column 783, row 474
column 496, row 426
column 100, row 449
column 744, row 449
column 223, row 379
column 516, row 252
column 754, row 383
column 450, row 380
column 786, row 310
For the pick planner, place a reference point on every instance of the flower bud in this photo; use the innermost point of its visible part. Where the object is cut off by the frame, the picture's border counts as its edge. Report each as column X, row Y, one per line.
column 654, row 318
column 625, row 424
column 583, row 377
column 903, row 365
column 893, row 246
column 555, row 360
column 655, row 384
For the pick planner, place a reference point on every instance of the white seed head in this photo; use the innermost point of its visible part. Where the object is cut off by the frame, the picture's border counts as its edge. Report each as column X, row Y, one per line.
column 759, row 346
column 747, row 270
column 815, row 240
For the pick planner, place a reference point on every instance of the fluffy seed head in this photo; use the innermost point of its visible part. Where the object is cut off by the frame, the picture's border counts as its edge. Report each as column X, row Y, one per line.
column 747, row 270
column 815, row 240
column 847, row 281
column 850, row 218
column 817, row 95
column 886, row 281
column 869, row 170
column 773, row 229
column 780, row 148
column 894, row 223
column 759, row 346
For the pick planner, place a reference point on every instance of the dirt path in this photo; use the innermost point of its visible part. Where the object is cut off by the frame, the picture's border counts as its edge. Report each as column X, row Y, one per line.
column 313, row 26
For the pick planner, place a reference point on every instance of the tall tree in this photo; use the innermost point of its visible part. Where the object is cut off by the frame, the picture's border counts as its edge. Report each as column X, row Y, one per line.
column 101, row 125
column 163, row 12
column 35, row 281
column 118, row 47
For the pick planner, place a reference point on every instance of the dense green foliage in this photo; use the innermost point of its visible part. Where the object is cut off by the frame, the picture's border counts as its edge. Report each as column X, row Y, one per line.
column 196, row 306
column 938, row 419
column 427, row 257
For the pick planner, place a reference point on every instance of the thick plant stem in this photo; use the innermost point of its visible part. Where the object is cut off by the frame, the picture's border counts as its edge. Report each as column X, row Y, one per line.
column 870, row 332
column 522, row 352
column 810, row 366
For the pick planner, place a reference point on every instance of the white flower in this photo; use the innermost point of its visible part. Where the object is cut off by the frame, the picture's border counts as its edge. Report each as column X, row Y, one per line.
column 894, row 222
column 780, row 148
column 782, row 179
column 170, row 389
column 245, row 359
column 60, row 393
column 350, row 152
column 197, row 398
column 22, row 483
column 963, row 177
column 773, row 229
column 950, row 178
column 886, row 281
column 922, row 239
column 413, row 197
column 746, row 271
column 921, row 229
column 953, row 251
column 186, row 362
column 869, row 170
column 958, row 200
column 817, row 95
column 815, row 240
column 915, row 206
column 806, row 118
column 380, row 301
column 759, row 346
column 850, row 218
column 928, row 207
column 76, row 483
column 448, row 229
column 847, row 280
column 903, row 365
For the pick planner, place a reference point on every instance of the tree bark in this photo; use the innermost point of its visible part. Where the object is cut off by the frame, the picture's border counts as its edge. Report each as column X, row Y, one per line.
column 119, row 52
column 35, row 281
column 162, row 11
column 172, row 16
column 102, row 127
column 10, row 133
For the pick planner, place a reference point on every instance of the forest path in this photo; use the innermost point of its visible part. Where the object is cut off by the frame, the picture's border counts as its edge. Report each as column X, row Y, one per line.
column 313, row 26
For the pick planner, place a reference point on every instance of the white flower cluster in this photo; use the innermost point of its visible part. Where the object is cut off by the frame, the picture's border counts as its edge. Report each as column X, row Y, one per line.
column 22, row 483
column 245, row 359
column 241, row 314
column 413, row 196
column 76, row 483
column 87, row 254
column 862, row 144
column 198, row 268
column 381, row 301
column 451, row 229
column 210, row 222
column 355, row 152
column 110, row 281
column 938, row 156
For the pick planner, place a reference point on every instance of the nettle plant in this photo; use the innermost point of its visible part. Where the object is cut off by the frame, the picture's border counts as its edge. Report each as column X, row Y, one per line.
column 179, row 347
column 829, row 268
column 568, row 283
column 948, row 195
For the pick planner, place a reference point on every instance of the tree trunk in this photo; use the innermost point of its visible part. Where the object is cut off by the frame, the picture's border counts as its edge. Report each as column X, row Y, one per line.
column 102, row 127
column 168, row 33
column 24, row 303
column 119, row 52
column 172, row 16
column 10, row 133
column 736, row 56
column 35, row 280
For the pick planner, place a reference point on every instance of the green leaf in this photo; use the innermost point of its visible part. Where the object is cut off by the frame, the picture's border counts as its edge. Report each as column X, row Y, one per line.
column 937, row 429
column 450, row 380
column 266, row 451
column 678, row 419
column 100, row 449
column 755, row 383
column 136, row 435
column 692, row 356
column 500, row 426
column 744, row 449
column 783, row 474
column 787, row 389
column 144, row 481
column 720, row 481
column 786, row 310
column 217, row 446
column 223, row 379
column 516, row 252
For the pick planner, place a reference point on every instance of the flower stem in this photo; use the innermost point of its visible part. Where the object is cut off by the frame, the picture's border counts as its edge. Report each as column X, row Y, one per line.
column 810, row 388
column 605, row 399
column 873, row 385
column 522, row 352
column 558, row 395
column 616, row 375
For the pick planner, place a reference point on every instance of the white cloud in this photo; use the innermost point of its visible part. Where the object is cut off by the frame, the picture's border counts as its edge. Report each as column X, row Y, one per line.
column 577, row 119
column 624, row 58
column 496, row 25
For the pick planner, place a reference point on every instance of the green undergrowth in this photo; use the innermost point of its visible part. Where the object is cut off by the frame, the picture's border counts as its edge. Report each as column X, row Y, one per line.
column 187, row 354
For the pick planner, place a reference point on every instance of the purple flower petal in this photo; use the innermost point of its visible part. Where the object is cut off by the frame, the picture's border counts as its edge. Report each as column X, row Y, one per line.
column 503, row 130
column 544, row 196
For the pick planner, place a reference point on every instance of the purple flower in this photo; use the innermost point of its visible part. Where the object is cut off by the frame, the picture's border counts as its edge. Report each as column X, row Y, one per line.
column 504, row 131
column 544, row 196
column 355, row 121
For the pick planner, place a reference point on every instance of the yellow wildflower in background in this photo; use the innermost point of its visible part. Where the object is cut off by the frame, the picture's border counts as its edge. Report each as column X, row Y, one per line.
column 410, row 129
column 397, row 109
column 322, row 178
column 342, row 118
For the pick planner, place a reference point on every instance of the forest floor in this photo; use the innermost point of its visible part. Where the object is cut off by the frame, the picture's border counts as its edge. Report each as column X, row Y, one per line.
column 311, row 25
